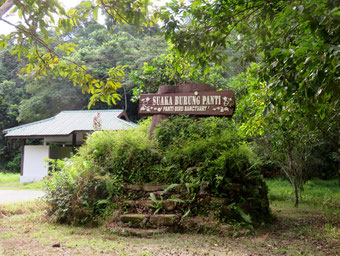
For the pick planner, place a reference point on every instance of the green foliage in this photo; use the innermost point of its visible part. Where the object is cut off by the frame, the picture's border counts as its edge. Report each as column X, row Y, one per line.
column 289, row 138
column 211, row 145
column 297, row 44
column 210, row 151
column 129, row 155
column 15, row 164
column 34, row 40
column 79, row 198
column 82, row 188
column 205, row 153
column 12, row 91
column 290, row 98
column 156, row 204
column 47, row 97
column 193, row 152
column 170, row 69
column 26, row 98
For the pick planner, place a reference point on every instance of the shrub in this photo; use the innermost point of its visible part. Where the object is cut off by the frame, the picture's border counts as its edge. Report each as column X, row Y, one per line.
column 210, row 151
column 60, row 190
column 195, row 153
column 14, row 165
column 127, row 154
column 76, row 194
column 82, row 188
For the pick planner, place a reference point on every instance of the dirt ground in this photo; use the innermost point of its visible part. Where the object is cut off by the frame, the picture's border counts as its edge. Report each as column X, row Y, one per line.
column 10, row 196
column 301, row 231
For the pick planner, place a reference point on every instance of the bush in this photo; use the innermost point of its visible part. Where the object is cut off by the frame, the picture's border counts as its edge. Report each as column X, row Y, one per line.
column 14, row 166
column 210, row 151
column 195, row 153
column 83, row 187
column 129, row 154
column 78, row 195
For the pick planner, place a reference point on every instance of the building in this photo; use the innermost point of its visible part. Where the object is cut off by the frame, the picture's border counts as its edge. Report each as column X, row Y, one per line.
column 60, row 136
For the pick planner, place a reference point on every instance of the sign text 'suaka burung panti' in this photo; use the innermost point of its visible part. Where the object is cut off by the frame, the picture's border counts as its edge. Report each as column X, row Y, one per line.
column 203, row 103
column 191, row 99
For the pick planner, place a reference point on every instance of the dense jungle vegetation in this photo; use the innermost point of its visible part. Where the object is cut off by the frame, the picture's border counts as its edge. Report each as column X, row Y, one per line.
column 281, row 58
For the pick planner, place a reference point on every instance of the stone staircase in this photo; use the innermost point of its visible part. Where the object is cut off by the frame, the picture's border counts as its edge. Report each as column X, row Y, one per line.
column 147, row 211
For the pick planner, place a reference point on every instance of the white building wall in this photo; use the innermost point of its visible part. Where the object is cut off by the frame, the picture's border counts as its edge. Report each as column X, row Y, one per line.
column 34, row 166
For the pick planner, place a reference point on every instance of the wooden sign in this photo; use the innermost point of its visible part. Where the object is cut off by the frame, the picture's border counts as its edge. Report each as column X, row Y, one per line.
column 201, row 103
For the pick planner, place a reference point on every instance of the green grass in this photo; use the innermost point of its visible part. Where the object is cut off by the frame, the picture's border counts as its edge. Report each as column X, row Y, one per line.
column 306, row 230
column 39, row 185
column 316, row 192
column 22, row 208
column 9, row 178
column 12, row 181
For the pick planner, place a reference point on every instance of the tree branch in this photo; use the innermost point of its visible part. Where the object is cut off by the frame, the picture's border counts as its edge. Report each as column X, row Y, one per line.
column 117, row 13
column 38, row 40
column 5, row 7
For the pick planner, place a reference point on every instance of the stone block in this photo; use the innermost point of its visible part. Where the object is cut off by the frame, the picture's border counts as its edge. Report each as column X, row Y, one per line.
column 219, row 200
column 134, row 220
column 159, row 220
column 153, row 188
column 169, row 205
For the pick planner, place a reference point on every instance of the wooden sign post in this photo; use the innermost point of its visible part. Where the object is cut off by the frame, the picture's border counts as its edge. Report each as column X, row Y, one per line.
column 191, row 99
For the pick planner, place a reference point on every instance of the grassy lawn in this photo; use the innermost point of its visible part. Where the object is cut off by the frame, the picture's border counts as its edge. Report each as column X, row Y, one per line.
column 311, row 229
column 316, row 192
column 9, row 178
column 12, row 181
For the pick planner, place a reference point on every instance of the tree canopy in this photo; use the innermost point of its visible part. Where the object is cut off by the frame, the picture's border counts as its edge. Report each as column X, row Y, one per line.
column 48, row 54
column 296, row 44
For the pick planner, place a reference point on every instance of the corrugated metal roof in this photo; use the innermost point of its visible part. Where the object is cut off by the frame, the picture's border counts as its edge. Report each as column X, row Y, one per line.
column 67, row 122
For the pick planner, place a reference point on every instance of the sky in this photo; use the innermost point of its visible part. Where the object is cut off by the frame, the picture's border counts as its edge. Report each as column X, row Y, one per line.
column 68, row 4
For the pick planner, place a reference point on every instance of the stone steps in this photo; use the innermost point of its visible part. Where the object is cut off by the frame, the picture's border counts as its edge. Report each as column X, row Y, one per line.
column 148, row 206
column 145, row 187
column 140, row 191
column 163, row 220
column 137, row 217
column 147, row 220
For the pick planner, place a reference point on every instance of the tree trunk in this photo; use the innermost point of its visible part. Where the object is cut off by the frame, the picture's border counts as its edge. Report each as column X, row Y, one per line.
column 339, row 174
column 190, row 87
column 291, row 172
column 5, row 7
column 296, row 194
column 125, row 99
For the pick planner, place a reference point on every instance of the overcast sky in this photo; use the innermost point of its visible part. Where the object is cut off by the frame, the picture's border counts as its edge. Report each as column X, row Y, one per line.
column 68, row 4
